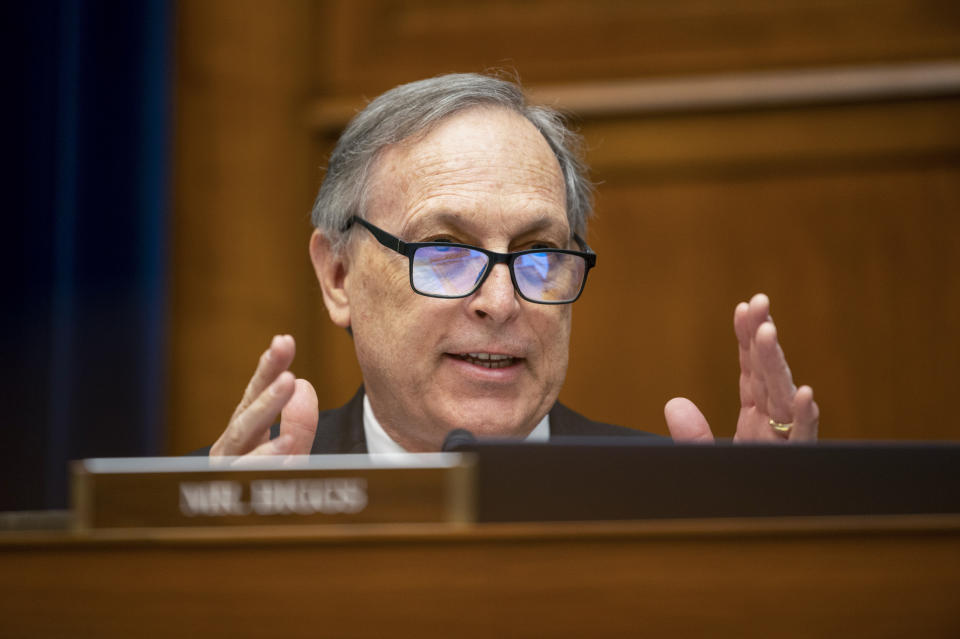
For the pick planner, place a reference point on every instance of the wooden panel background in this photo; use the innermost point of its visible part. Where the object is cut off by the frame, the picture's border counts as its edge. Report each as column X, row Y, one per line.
column 846, row 214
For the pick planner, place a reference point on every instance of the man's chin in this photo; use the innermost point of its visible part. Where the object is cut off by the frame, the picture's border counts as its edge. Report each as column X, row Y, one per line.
column 495, row 420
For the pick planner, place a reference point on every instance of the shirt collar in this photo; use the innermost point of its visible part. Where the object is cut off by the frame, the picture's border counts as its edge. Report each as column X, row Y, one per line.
column 379, row 442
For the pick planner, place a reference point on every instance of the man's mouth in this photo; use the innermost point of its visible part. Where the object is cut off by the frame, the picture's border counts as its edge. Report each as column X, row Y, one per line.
column 488, row 360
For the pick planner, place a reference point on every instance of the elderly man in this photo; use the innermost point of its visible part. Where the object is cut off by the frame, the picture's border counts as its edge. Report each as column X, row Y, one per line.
column 449, row 241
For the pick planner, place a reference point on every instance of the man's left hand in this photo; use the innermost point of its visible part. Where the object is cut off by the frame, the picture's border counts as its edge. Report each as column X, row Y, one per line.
column 772, row 409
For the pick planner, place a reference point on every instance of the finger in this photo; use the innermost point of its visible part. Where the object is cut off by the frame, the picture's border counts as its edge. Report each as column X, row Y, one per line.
column 756, row 384
column 298, row 419
column 685, row 422
column 275, row 450
column 741, row 325
column 758, row 312
column 280, row 445
column 775, row 373
column 741, row 328
column 806, row 416
column 276, row 359
column 248, row 429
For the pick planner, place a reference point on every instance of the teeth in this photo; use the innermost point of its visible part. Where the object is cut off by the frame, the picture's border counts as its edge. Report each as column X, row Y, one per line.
column 488, row 356
column 488, row 360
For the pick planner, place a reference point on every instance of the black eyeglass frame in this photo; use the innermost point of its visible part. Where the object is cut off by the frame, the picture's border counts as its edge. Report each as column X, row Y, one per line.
column 408, row 249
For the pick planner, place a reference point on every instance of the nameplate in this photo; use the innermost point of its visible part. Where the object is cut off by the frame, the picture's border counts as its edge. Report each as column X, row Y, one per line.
column 341, row 489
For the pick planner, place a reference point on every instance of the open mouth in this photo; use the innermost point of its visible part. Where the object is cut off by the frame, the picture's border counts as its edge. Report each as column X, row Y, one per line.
column 488, row 360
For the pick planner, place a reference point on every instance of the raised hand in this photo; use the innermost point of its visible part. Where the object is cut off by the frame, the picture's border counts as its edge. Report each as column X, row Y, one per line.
column 772, row 409
column 273, row 389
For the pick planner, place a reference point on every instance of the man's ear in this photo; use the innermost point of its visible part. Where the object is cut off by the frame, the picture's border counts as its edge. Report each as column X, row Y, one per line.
column 331, row 269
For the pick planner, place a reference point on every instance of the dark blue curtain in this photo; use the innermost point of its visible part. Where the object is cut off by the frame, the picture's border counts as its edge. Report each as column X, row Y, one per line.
column 86, row 240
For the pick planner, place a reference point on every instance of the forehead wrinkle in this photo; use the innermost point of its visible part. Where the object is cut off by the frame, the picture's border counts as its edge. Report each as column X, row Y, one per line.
column 438, row 179
column 469, row 206
column 486, row 167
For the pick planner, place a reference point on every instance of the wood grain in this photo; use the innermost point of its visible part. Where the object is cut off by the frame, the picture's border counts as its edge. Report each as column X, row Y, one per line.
column 545, row 580
column 376, row 44
column 845, row 216
column 243, row 186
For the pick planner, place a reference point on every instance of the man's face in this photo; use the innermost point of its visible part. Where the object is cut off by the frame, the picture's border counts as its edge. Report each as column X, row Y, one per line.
column 484, row 177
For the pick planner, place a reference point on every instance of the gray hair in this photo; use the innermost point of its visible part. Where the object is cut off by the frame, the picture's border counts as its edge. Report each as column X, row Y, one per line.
column 413, row 109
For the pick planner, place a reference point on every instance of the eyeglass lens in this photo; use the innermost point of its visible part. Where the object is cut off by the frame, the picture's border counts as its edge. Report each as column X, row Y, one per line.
column 454, row 271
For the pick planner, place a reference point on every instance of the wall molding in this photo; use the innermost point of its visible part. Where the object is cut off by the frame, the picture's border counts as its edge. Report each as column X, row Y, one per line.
column 714, row 92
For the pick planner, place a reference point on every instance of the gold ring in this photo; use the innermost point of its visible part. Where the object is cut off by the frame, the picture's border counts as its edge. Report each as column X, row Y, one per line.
column 783, row 429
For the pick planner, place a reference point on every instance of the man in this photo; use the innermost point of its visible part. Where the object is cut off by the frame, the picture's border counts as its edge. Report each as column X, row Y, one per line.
column 449, row 243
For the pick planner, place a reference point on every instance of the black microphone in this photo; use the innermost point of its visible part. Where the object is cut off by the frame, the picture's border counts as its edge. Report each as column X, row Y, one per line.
column 456, row 439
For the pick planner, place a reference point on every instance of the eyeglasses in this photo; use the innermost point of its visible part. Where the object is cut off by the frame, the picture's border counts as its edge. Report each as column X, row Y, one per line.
column 448, row 270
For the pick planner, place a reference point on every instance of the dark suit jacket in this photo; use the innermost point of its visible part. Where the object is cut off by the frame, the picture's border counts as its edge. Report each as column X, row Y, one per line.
column 341, row 430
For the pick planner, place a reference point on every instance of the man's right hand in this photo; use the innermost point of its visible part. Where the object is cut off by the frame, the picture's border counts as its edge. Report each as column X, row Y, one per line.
column 272, row 389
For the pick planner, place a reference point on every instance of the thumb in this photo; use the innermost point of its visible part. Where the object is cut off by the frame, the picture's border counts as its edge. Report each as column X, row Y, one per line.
column 686, row 422
column 298, row 418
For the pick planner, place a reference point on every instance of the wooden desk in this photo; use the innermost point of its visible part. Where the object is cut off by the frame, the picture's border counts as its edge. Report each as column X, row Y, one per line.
column 805, row 577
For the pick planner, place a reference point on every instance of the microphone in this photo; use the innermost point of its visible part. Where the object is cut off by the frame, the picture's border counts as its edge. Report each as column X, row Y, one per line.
column 456, row 439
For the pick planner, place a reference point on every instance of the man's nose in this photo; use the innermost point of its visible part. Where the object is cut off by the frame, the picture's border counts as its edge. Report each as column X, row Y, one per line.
column 496, row 298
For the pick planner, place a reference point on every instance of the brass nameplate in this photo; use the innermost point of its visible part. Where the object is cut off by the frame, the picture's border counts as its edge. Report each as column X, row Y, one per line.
column 194, row 491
